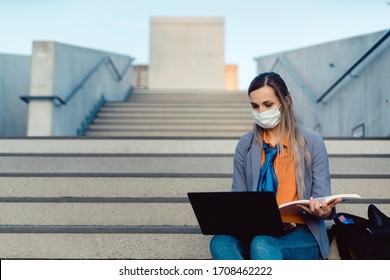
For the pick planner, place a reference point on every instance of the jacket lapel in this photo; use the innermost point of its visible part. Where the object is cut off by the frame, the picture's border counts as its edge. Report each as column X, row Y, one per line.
column 255, row 160
column 303, row 168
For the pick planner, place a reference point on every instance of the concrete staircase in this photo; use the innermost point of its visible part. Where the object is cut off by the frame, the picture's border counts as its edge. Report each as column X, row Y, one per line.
column 111, row 197
column 175, row 114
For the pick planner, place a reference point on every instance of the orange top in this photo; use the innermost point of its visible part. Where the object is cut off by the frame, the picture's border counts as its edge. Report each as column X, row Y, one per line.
column 287, row 187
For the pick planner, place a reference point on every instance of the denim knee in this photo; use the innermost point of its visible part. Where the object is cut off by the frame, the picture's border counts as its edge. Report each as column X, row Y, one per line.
column 264, row 247
column 226, row 247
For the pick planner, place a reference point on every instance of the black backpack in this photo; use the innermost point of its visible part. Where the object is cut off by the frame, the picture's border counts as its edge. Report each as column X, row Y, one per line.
column 360, row 238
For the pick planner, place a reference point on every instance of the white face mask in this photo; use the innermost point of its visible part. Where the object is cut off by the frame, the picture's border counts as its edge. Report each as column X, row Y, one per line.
column 267, row 119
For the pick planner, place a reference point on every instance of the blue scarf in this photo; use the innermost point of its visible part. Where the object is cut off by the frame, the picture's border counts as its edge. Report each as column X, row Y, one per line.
column 268, row 181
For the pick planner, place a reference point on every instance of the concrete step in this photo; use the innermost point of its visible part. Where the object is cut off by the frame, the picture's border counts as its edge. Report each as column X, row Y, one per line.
column 138, row 145
column 163, row 121
column 168, row 164
column 164, row 133
column 105, row 212
column 94, row 211
column 104, row 246
column 185, row 93
column 177, row 103
column 373, row 188
column 136, row 187
column 191, row 100
column 117, row 146
column 155, row 187
column 175, row 110
column 117, row 165
column 169, row 126
column 176, row 115
column 179, row 94
column 197, row 98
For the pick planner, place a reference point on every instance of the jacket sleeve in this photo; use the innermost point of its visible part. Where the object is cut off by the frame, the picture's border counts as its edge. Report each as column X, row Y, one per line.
column 320, row 172
column 320, row 168
column 239, row 179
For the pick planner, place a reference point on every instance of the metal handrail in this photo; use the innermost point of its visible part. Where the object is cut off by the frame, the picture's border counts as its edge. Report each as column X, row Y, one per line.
column 54, row 99
column 91, row 116
column 376, row 45
column 58, row 101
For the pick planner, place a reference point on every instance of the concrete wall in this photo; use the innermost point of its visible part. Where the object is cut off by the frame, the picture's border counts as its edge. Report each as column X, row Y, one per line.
column 187, row 53
column 56, row 70
column 361, row 99
column 14, row 81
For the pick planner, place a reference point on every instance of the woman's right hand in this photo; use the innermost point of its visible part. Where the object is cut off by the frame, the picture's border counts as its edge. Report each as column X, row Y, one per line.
column 319, row 207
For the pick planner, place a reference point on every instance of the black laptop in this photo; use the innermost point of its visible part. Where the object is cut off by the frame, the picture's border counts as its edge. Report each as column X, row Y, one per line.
column 240, row 214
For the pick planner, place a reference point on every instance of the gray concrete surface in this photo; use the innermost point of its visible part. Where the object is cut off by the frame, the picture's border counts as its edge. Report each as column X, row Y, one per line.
column 124, row 165
column 170, row 146
column 180, row 110
column 95, row 213
column 185, row 92
column 105, row 246
column 143, row 187
column 14, row 82
column 221, row 165
column 177, row 115
column 163, row 133
column 177, row 121
column 128, row 187
column 117, row 146
column 170, row 126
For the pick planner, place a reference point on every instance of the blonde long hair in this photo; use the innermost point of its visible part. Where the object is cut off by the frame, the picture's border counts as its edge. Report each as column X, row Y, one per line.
column 288, row 126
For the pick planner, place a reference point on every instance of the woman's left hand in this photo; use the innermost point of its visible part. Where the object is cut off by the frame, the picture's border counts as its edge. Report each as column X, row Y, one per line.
column 319, row 208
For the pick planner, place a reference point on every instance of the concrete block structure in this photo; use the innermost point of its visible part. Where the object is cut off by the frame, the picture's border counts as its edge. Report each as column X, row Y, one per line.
column 14, row 81
column 187, row 53
column 359, row 105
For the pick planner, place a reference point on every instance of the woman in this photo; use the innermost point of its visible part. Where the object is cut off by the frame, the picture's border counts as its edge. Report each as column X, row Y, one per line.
column 282, row 157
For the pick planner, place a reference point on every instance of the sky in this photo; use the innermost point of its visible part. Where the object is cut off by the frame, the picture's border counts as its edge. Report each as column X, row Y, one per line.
column 253, row 28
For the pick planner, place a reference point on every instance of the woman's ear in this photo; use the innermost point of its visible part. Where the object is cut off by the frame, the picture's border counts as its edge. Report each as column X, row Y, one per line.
column 288, row 100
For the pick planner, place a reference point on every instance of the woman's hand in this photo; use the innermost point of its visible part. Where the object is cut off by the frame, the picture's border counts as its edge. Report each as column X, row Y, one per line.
column 319, row 208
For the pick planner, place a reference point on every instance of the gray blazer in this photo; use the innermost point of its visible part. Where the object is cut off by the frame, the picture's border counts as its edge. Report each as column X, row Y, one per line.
column 317, row 181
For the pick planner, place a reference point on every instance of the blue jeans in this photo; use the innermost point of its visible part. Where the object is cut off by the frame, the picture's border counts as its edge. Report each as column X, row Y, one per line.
column 300, row 244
